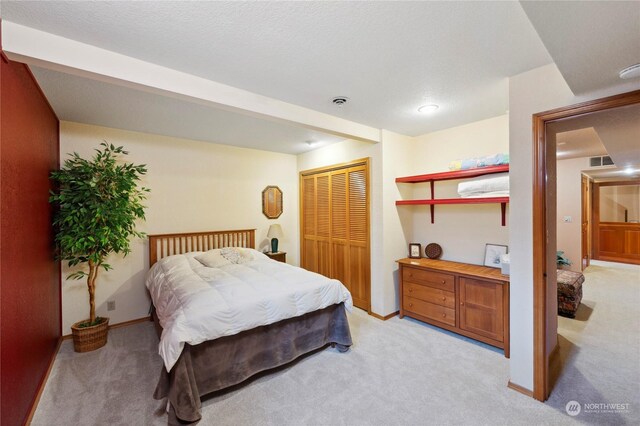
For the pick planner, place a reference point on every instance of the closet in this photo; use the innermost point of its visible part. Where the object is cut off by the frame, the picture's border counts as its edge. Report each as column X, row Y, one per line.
column 334, row 226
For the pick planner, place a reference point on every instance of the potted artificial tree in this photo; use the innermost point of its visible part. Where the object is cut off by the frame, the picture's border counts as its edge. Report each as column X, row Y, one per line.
column 98, row 203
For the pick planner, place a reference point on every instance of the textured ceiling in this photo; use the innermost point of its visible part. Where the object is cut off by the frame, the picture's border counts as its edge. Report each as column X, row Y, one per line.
column 388, row 57
column 590, row 41
column 92, row 102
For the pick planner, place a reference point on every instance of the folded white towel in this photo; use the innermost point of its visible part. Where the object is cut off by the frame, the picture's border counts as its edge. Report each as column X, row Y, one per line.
column 481, row 186
column 487, row 194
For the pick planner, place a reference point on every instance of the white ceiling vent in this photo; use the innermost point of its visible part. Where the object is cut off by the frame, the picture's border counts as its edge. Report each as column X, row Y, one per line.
column 603, row 160
column 340, row 100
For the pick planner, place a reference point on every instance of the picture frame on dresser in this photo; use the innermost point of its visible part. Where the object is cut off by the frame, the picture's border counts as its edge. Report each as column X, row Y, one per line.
column 493, row 253
column 415, row 250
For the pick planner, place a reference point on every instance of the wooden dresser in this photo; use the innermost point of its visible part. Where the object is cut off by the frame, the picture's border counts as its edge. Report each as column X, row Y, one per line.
column 470, row 300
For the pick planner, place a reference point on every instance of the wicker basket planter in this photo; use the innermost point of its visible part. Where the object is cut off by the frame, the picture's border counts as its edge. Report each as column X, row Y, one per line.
column 87, row 339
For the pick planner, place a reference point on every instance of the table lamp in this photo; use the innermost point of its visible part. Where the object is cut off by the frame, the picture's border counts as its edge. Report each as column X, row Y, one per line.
column 275, row 232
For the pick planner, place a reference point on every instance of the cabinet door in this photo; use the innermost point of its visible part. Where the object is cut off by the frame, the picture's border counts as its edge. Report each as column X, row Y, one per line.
column 481, row 309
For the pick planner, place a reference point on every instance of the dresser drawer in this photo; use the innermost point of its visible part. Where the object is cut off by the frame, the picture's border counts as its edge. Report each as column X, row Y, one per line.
column 430, row 294
column 429, row 310
column 432, row 279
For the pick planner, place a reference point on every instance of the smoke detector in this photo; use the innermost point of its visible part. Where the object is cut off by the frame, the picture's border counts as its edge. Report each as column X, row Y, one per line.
column 339, row 100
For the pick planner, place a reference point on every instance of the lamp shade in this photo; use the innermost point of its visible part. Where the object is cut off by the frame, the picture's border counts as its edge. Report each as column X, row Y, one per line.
column 275, row 231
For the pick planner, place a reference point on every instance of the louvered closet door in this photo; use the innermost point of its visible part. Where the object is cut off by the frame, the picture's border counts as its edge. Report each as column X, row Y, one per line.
column 359, row 264
column 340, row 227
column 308, row 216
column 323, row 224
column 335, row 216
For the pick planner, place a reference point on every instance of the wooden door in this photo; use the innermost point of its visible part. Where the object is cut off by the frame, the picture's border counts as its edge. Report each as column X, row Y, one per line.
column 323, row 224
column 481, row 307
column 335, row 226
column 584, row 245
column 308, row 249
column 340, row 226
column 358, row 245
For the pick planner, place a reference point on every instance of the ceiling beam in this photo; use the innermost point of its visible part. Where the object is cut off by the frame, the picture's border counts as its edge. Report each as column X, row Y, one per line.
column 31, row 46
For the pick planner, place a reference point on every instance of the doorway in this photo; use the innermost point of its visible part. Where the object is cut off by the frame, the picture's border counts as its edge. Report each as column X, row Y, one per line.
column 544, row 284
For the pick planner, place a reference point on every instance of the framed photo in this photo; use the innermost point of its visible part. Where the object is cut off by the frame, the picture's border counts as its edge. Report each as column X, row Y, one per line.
column 492, row 253
column 414, row 250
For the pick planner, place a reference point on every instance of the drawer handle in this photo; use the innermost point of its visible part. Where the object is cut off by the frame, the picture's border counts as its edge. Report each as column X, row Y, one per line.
column 461, row 303
column 444, row 315
column 410, row 289
column 444, row 282
column 411, row 305
column 444, row 298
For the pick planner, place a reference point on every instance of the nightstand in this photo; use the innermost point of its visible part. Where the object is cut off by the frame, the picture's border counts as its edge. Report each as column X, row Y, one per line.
column 280, row 256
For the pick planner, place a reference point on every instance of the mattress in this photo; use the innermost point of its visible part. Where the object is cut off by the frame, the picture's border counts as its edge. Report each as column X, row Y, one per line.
column 195, row 303
column 485, row 186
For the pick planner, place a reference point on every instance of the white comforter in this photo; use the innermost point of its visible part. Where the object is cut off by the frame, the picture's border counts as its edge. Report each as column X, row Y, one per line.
column 195, row 303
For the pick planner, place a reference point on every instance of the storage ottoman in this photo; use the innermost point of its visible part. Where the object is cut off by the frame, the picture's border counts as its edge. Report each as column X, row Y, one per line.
column 569, row 292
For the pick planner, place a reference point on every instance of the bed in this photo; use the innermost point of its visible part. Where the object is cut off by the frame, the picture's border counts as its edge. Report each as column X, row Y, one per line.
column 276, row 313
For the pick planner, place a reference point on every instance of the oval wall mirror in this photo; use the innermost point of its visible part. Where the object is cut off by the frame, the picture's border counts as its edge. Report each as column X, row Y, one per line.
column 272, row 202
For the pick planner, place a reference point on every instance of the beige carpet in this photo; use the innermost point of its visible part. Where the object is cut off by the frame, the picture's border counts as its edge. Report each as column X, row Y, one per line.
column 399, row 372
column 600, row 348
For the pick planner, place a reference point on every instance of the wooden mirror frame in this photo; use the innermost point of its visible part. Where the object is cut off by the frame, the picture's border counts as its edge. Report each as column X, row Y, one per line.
column 272, row 202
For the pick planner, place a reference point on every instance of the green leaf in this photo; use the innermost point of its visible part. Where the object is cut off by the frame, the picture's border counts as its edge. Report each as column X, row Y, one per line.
column 99, row 204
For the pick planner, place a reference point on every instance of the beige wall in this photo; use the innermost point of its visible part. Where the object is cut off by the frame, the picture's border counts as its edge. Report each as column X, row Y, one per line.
column 531, row 92
column 569, row 203
column 398, row 154
column 535, row 91
column 195, row 186
column 461, row 230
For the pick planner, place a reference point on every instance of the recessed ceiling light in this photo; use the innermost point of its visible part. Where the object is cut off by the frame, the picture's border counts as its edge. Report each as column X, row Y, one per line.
column 311, row 142
column 428, row 109
column 630, row 72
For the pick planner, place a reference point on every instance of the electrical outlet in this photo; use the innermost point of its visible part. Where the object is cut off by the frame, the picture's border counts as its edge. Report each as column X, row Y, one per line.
column 567, row 219
column 111, row 305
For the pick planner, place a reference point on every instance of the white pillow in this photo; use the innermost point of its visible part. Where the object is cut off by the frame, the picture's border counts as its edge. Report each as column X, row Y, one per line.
column 213, row 259
column 232, row 254
column 251, row 254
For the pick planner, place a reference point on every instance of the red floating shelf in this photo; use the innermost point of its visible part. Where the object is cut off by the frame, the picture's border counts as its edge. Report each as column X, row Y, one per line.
column 457, row 174
column 486, row 200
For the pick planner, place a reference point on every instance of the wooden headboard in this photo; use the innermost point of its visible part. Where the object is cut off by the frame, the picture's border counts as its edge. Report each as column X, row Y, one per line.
column 169, row 244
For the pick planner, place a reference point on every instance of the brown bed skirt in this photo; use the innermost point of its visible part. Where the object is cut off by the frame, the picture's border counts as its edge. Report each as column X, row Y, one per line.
column 227, row 361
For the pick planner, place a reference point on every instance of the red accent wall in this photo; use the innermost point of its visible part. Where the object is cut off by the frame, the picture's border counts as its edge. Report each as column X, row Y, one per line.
column 29, row 277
